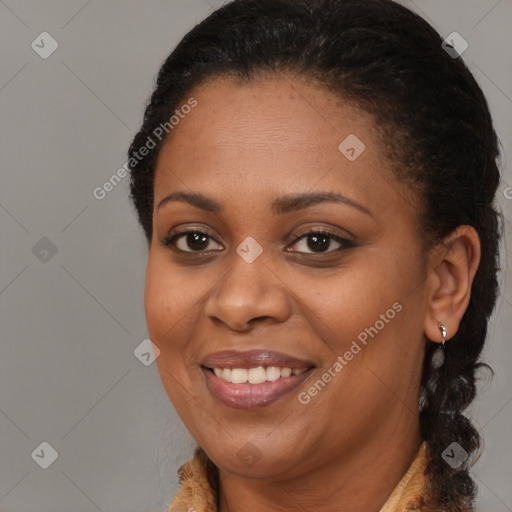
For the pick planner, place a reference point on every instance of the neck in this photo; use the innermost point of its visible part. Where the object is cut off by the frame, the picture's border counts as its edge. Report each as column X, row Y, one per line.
column 361, row 482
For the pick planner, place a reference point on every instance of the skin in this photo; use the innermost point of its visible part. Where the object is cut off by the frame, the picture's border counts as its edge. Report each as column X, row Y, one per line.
column 244, row 145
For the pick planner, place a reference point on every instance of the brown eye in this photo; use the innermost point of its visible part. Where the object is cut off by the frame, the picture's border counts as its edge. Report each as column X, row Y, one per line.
column 188, row 241
column 320, row 241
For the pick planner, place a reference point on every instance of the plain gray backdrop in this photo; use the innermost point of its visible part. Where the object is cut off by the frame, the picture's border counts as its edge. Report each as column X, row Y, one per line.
column 72, row 266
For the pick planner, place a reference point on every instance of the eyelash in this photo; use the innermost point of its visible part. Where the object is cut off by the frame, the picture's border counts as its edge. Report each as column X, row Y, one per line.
column 345, row 243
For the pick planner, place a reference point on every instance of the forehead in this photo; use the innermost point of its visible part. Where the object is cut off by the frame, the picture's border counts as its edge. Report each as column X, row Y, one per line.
column 282, row 115
column 283, row 110
column 273, row 135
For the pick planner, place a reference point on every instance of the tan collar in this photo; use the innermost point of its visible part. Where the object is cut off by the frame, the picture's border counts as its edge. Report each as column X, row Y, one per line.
column 410, row 489
column 196, row 492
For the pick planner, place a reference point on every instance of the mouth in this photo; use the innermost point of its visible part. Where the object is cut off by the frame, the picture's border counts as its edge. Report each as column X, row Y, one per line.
column 253, row 379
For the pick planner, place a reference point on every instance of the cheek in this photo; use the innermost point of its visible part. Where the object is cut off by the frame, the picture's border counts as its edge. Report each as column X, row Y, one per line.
column 166, row 315
column 159, row 303
column 376, row 325
column 172, row 299
column 170, row 303
column 343, row 305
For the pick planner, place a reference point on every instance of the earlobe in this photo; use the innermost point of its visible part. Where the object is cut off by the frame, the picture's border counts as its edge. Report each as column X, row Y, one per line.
column 454, row 262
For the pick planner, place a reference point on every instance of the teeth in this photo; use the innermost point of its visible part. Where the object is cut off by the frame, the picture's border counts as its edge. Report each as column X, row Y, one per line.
column 286, row 372
column 255, row 375
column 238, row 375
column 273, row 373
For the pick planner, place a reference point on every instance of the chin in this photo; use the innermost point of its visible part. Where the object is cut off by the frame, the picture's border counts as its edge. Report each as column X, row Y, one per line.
column 252, row 458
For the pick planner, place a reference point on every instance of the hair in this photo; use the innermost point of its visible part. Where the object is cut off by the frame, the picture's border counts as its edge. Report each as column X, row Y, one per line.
column 438, row 133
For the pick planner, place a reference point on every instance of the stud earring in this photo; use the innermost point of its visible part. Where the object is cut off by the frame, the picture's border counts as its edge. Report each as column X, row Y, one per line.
column 442, row 328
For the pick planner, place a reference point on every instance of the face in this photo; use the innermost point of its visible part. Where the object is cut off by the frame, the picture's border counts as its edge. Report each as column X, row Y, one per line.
column 299, row 267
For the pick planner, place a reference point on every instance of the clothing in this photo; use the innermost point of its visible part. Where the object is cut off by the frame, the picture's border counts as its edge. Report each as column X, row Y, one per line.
column 197, row 491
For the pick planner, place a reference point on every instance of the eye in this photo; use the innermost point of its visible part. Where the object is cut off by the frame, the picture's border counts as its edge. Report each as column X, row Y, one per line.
column 319, row 241
column 196, row 240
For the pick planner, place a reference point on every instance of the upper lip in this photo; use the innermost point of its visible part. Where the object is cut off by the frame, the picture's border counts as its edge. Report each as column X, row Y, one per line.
column 252, row 359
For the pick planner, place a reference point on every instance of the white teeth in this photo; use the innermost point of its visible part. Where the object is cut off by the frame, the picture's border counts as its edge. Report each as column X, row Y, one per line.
column 238, row 375
column 286, row 372
column 273, row 373
column 255, row 375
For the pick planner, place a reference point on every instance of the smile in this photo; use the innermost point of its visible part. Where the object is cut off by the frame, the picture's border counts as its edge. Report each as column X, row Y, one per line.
column 255, row 375
column 253, row 379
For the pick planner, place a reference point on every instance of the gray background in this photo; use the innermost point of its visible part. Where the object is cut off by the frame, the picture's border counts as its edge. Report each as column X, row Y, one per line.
column 70, row 321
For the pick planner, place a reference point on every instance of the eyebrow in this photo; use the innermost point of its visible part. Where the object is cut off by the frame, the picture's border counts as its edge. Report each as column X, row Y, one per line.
column 279, row 206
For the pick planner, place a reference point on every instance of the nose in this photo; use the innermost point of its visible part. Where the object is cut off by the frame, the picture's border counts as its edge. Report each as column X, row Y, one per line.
column 248, row 293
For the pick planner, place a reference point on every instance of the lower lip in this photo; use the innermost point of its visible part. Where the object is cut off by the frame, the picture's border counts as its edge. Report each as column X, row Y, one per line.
column 252, row 396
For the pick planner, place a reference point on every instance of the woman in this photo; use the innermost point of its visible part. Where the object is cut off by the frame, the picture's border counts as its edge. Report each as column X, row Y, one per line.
column 315, row 180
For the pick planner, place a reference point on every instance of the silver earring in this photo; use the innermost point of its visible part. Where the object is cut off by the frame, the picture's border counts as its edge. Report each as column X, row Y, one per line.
column 442, row 328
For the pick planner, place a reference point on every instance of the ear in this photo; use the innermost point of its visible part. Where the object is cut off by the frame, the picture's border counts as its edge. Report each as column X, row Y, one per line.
column 453, row 263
